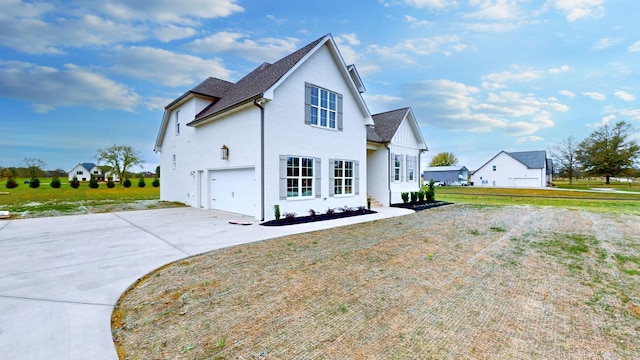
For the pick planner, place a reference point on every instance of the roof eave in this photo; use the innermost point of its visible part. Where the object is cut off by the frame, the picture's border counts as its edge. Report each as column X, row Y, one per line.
column 221, row 112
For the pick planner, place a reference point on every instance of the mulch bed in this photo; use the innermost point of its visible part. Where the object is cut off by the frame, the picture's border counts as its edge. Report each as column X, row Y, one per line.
column 422, row 206
column 319, row 217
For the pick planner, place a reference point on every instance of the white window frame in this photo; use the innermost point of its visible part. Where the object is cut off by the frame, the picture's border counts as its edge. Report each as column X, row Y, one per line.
column 397, row 168
column 411, row 168
column 324, row 108
column 343, row 177
column 177, row 122
column 300, row 177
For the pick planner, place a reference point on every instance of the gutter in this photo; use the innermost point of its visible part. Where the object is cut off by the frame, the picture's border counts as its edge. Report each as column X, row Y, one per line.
column 258, row 102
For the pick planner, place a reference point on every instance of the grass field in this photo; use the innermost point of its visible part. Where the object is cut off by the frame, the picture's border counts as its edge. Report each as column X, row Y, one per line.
column 580, row 195
column 24, row 201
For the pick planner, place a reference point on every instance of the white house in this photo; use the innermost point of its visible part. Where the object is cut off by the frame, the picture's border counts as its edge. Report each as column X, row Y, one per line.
column 394, row 148
column 84, row 172
column 292, row 133
column 515, row 169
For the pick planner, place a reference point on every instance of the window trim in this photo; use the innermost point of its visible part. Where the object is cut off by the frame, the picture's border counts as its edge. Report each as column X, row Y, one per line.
column 177, row 122
column 343, row 178
column 396, row 174
column 309, row 108
column 411, row 170
column 315, row 178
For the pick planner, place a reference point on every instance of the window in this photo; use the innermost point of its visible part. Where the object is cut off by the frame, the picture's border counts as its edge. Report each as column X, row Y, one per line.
column 343, row 177
column 174, row 161
column 299, row 177
column 494, row 168
column 411, row 168
column 323, row 107
column 79, row 172
column 178, row 122
column 397, row 167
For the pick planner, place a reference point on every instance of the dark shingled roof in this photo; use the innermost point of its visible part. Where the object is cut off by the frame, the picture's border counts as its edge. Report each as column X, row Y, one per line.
column 213, row 87
column 531, row 159
column 385, row 125
column 253, row 85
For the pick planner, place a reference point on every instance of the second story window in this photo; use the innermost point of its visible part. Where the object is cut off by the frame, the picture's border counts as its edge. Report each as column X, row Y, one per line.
column 323, row 107
column 178, row 122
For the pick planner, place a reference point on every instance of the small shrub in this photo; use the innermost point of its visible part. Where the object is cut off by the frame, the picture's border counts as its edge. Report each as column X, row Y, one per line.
column 126, row 183
column 155, row 182
column 405, row 197
column 276, row 211
column 110, row 184
column 74, row 183
column 141, row 182
column 331, row 211
column 421, row 196
column 347, row 210
column 369, row 202
column 55, row 182
column 289, row 216
column 362, row 209
column 414, row 197
column 93, row 183
column 34, row 183
column 12, row 183
column 312, row 213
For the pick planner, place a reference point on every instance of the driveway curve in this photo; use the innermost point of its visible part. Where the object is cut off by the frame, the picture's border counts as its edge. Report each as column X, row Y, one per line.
column 60, row 277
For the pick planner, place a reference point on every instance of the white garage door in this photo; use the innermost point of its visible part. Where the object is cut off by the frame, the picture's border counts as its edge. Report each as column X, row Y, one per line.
column 526, row 182
column 234, row 190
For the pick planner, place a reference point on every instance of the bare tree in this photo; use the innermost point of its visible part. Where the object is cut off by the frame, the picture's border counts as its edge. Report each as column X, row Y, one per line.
column 35, row 167
column 564, row 157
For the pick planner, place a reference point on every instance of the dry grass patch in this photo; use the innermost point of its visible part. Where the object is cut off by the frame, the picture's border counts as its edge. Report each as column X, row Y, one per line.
column 451, row 282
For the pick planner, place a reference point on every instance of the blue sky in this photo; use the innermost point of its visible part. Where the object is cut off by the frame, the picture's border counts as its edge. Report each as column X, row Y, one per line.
column 481, row 75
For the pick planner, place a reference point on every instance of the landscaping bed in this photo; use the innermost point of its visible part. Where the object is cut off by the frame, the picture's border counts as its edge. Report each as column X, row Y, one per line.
column 422, row 206
column 292, row 220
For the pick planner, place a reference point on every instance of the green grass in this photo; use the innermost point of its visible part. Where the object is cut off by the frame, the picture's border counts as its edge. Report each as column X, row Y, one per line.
column 67, row 199
column 602, row 201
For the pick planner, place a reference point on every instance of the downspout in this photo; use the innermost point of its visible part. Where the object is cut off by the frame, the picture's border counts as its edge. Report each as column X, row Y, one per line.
column 389, row 172
column 258, row 102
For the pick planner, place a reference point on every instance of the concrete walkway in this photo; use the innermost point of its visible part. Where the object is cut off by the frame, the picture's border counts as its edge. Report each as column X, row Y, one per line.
column 60, row 277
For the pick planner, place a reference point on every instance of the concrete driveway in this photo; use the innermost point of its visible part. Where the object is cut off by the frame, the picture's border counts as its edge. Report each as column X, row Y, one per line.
column 60, row 277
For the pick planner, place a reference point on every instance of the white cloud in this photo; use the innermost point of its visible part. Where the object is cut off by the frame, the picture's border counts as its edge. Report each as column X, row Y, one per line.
column 528, row 139
column 169, row 11
column 445, row 45
column 497, row 80
column 605, row 121
column 432, row 4
column 595, row 95
column 36, row 36
column 605, row 43
column 491, row 27
column 631, row 113
column 151, row 64
column 158, row 103
column 635, row 47
column 578, row 9
column 276, row 20
column 260, row 50
column 415, row 22
column 47, row 88
column 171, row 32
column 624, row 95
column 567, row 93
column 495, row 9
column 561, row 69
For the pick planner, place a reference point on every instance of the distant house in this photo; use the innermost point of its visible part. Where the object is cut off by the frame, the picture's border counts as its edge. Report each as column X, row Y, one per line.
column 449, row 175
column 84, row 172
column 515, row 169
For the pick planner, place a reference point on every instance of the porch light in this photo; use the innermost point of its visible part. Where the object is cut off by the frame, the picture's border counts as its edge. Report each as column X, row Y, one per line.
column 224, row 152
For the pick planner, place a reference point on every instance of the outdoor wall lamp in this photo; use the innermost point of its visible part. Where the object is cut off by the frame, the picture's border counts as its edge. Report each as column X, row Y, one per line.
column 224, row 152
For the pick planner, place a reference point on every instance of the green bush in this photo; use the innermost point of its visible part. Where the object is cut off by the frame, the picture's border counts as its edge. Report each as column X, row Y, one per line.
column 155, row 182
column 414, row 197
column 93, row 183
column 12, row 183
column 110, row 184
column 405, row 197
column 141, row 182
column 74, row 183
column 55, row 182
column 126, row 183
column 276, row 210
column 34, row 183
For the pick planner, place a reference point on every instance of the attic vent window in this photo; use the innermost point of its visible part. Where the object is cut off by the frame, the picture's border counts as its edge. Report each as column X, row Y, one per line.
column 224, row 152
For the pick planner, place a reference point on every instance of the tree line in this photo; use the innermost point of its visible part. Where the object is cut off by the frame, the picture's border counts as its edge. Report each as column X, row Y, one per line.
column 609, row 151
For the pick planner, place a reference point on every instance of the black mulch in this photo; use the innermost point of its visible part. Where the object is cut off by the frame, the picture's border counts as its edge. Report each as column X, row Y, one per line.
column 319, row 217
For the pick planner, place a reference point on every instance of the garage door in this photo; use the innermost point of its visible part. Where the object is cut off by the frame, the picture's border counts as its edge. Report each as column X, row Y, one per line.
column 526, row 182
column 234, row 190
